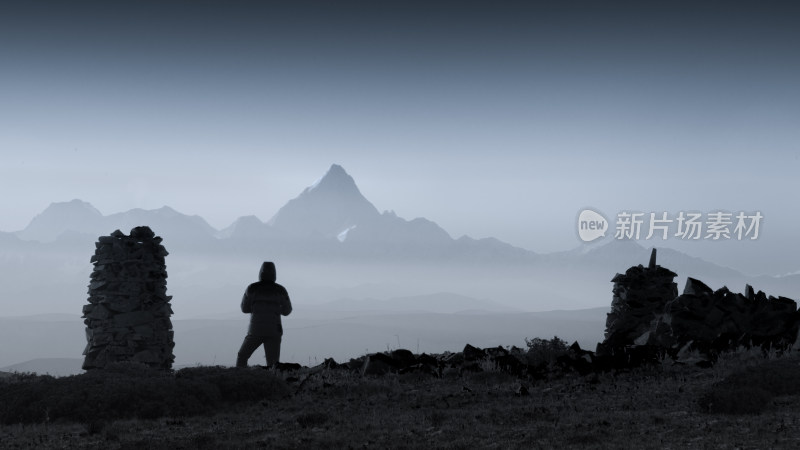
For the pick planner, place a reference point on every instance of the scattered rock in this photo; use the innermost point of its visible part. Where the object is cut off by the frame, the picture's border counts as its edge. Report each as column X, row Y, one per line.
column 288, row 367
column 379, row 364
column 330, row 363
column 577, row 359
column 404, row 358
column 473, row 353
column 511, row 364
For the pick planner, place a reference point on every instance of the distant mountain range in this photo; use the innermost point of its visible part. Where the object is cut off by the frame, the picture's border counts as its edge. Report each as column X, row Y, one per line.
column 58, row 367
column 77, row 217
column 334, row 245
column 328, row 219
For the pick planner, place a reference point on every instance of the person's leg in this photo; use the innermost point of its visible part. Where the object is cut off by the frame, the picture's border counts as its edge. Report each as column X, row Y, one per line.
column 272, row 349
column 249, row 345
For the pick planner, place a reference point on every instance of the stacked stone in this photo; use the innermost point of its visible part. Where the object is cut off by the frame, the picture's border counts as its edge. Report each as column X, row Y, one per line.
column 640, row 296
column 128, row 315
column 648, row 319
column 713, row 321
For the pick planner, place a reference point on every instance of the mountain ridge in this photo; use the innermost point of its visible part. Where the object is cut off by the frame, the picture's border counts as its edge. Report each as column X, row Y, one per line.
column 331, row 216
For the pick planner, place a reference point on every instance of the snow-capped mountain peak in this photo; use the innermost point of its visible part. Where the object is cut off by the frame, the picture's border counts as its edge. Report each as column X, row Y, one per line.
column 330, row 205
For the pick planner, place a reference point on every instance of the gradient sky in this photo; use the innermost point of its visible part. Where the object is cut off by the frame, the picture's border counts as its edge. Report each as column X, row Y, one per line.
column 491, row 120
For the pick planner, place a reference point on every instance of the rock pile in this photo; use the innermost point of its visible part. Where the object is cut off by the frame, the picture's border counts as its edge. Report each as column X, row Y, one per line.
column 648, row 319
column 128, row 315
column 714, row 321
column 472, row 359
column 640, row 296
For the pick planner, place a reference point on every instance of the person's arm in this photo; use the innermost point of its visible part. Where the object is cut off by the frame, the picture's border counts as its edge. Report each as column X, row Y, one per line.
column 286, row 304
column 247, row 306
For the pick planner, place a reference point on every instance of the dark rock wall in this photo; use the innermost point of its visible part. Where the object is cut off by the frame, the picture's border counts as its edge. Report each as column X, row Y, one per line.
column 647, row 313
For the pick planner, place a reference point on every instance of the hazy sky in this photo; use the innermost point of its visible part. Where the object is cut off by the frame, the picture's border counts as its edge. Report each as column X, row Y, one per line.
column 490, row 119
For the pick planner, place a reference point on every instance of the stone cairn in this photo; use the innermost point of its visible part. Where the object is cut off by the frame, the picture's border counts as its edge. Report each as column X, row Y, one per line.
column 128, row 315
column 649, row 320
column 640, row 296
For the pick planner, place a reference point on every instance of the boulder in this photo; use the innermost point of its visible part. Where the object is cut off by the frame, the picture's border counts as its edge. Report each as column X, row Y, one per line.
column 403, row 357
column 379, row 364
column 473, row 353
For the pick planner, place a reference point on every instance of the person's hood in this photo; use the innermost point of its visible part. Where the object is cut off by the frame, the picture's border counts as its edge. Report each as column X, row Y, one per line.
column 267, row 272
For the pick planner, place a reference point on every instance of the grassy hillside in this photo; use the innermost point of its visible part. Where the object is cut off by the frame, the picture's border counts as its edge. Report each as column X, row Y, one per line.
column 744, row 401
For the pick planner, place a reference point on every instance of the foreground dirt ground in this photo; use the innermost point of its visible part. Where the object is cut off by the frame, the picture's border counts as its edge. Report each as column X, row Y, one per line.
column 655, row 408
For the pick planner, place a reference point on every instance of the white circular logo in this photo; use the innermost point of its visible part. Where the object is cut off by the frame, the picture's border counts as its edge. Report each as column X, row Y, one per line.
column 591, row 225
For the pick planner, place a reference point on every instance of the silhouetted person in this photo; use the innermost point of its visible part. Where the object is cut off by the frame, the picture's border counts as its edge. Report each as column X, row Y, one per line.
column 266, row 301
